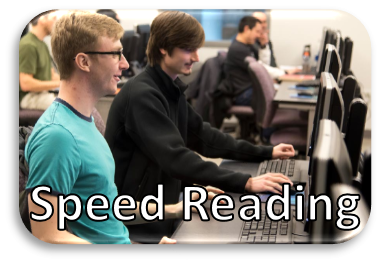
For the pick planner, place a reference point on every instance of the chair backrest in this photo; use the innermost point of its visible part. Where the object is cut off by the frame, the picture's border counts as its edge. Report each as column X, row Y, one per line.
column 29, row 117
column 100, row 124
column 264, row 93
column 24, row 133
column 130, row 41
column 144, row 35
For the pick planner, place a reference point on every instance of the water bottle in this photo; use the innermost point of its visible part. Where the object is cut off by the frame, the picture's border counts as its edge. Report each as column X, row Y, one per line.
column 306, row 60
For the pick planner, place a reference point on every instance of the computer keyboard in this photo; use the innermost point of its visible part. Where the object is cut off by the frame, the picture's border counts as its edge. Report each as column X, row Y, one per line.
column 309, row 83
column 266, row 231
column 285, row 167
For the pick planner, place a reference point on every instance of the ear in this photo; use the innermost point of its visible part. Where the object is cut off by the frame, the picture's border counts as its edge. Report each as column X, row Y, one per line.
column 163, row 51
column 83, row 62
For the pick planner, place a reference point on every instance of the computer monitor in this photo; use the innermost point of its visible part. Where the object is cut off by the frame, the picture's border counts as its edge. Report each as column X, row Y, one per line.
column 348, row 94
column 354, row 132
column 329, row 105
column 346, row 62
column 331, row 62
column 339, row 44
column 330, row 165
column 324, row 40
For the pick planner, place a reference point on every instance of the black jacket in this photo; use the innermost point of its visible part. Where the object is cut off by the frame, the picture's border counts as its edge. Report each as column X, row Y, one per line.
column 153, row 132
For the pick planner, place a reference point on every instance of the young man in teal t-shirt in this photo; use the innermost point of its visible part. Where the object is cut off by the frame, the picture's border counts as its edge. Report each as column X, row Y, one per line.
column 65, row 151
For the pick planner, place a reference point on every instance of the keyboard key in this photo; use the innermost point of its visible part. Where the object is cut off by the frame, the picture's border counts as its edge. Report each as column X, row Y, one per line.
column 278, row 167
column 273, row 169
column 269, row 166
column 284, row 165
column 251, row 238
column 273, row 232
column 283, row 231
column 266, row 231
column 264, row 239
column 272, row 239
column 243, row 239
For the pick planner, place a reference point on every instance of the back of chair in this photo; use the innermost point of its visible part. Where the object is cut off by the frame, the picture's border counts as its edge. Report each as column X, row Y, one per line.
column 29, row 117
column 264, row 93
column 99, row 123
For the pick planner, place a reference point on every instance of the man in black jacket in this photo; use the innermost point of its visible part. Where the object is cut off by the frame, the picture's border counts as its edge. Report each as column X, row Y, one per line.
column 154, row 133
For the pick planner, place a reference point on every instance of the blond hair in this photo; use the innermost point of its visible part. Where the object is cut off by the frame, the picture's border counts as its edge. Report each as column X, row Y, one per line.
column 79, row 31
column 173, row 29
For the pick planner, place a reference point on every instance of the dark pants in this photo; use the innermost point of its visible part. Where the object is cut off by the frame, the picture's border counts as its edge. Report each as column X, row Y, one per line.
column 244, row 98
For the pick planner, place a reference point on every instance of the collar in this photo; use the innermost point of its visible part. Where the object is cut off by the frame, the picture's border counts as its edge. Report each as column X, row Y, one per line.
column 173, row 88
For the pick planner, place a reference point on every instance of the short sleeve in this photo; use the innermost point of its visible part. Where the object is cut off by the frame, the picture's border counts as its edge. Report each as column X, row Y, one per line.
column 28, row 59
column 53, row 158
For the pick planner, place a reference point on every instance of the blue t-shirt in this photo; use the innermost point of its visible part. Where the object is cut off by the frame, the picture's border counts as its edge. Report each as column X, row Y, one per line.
column 67, row 153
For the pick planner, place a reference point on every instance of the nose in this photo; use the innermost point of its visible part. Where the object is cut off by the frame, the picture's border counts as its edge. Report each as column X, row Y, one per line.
column 123, row 64
column 195, row 56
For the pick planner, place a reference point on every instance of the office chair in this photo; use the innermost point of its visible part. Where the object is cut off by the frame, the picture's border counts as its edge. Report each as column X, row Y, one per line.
column 130, row 43
column 29, row 117
column 99, row 123
column 245, row 114
column 275, row 125
column 144, row 34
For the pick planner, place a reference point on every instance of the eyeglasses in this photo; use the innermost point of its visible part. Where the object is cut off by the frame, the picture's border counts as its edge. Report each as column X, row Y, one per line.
column 119, row 53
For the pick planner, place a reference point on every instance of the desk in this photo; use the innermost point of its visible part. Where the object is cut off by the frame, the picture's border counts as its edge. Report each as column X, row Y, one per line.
column 284, row 100
column 213, row 231
column 296, row 77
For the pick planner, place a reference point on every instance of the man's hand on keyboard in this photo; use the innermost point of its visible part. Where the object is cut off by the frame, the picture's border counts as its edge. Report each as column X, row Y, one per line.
column 269, row 182
column 282, row 151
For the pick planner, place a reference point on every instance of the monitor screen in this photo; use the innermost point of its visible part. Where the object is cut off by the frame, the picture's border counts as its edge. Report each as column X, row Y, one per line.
column 332, row 62
column 324, row 41
column 340, row 45
column 329, row 105
column 330, row 165
column 348, row 49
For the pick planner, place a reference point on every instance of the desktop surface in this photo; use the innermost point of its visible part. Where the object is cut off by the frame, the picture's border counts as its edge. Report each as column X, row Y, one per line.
column 213, row 231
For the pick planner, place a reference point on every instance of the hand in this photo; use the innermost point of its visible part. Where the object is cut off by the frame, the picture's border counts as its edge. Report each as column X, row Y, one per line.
column 293, row 71
column 211, row 192
column 270, row 182
column 282, row 151
column 166, row 240
column 263, row 39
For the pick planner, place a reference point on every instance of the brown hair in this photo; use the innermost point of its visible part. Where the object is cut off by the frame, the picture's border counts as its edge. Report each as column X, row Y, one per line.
column 79, row 31
column 172, row 29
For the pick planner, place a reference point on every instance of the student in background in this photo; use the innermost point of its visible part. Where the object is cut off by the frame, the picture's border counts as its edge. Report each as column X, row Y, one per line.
column 65, row 150
column 36, row 74
column 154, row 133
column 263, row 44
column 264, row 48
column 235, row 67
